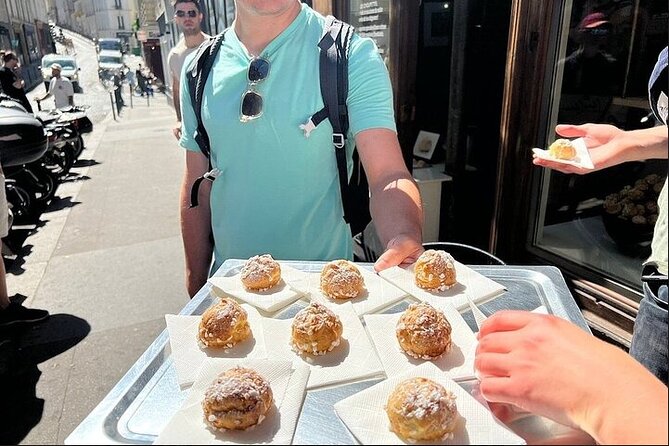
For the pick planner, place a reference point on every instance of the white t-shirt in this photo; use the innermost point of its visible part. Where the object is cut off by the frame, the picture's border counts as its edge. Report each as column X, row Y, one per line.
column 177, row 56
column 61, row 89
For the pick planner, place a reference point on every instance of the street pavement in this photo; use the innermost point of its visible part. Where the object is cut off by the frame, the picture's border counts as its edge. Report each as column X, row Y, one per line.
column 106, row 260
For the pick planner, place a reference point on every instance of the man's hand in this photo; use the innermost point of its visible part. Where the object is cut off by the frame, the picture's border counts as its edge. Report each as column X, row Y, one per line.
column 548, row 366
column 176, row 131
column 401, row 250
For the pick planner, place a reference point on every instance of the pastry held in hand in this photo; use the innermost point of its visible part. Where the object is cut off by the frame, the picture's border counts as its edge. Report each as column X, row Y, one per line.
column 424, row 332
column 224, row 325
column 562, row 149
column 316, row 330
column 435, row 270
column 341, row 279
column 421, row 409
column 238, row 399
column 260, row 273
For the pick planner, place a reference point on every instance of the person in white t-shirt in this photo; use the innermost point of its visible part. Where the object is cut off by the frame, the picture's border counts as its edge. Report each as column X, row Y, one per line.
column 188, row 17
column 60, row 88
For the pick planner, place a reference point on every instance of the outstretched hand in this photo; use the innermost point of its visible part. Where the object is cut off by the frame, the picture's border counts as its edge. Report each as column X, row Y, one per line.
column 401, row 250
column 548, row 366
column 602, row 141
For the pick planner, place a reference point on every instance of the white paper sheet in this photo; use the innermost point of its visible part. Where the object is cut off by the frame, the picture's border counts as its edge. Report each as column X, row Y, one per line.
column 365, row 416
column 288, row 290
column 458, row 364
column 378, row 293
column 188, row 354
column 353, row 359
column 479, row 288
column 582, row 158
column 287, row 381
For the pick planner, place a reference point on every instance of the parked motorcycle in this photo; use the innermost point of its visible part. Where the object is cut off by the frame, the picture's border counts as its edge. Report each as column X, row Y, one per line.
column 23, row 141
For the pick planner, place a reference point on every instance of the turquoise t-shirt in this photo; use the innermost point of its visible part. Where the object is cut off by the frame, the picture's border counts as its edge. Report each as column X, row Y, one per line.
column 278, row 191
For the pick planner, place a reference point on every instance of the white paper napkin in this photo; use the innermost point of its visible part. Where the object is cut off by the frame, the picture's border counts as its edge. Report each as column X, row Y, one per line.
column 458, row 364
column 582, row 158
column 378, row 294
column 365, row 416
column 188, row 354
column 353, row 359
column 479, row 288
column 288, row 290
column 287, row 381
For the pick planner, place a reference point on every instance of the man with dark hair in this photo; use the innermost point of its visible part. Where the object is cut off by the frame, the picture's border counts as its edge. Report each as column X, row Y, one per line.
column 12, row 84
column 188, row 17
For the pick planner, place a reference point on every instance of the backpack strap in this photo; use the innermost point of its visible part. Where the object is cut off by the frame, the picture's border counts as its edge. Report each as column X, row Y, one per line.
column 334, row 88
column 197, row 74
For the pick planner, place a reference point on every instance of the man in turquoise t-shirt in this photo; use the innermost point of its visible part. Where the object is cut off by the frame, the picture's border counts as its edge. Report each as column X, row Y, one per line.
column 278, row 189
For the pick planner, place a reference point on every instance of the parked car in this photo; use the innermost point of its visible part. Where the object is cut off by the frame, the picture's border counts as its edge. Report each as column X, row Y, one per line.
column 109, row 62
column 109, row 44
column 70, row 69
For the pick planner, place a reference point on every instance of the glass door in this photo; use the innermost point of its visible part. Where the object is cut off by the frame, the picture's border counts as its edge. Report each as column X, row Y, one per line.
column 604, row 220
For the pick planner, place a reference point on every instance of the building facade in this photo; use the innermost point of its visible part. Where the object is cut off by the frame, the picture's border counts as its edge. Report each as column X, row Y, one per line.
column 24, row 29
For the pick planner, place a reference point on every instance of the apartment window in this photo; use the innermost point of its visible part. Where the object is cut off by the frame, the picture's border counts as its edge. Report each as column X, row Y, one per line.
column 121, row 22
column 118, row 5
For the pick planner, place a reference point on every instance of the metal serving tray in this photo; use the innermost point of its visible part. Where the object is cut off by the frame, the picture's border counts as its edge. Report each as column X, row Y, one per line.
column 143, row 401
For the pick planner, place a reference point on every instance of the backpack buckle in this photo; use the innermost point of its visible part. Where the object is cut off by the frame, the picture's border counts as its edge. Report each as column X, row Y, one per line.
column 338, row 140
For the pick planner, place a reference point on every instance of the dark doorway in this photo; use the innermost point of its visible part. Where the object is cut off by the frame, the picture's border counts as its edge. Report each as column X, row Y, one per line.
column 480, row 31
column 433, row 70
column 153, row 58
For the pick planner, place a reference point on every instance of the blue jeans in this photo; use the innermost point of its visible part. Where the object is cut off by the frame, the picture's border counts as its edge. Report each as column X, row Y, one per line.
column 649, row 342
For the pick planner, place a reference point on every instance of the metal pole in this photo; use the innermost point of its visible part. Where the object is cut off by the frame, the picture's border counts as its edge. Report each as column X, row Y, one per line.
column 111, row 99
column 130, row 88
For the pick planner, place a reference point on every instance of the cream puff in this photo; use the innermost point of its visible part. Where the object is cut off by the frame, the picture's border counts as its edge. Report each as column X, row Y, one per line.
column 238, row 399
column 420, row 409
column 316, row 330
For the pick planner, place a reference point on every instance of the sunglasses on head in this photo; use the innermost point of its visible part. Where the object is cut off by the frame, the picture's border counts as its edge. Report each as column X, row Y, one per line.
column 192, row 13
column 251, row 107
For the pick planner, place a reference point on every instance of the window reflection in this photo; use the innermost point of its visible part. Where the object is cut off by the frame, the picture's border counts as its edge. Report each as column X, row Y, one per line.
column 604, row 220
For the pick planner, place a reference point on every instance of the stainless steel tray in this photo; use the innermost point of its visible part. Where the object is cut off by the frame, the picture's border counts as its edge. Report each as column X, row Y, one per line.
column 144, row 400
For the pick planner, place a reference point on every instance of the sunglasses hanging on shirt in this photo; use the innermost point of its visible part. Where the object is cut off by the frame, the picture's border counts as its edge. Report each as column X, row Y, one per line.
column 252, row 101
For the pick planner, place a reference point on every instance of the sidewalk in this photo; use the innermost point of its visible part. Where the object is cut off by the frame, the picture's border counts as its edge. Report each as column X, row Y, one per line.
column 108, row 265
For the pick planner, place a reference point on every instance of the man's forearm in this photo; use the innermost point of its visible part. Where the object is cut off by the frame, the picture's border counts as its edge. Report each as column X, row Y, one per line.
column 396, row 209
column 196, row 235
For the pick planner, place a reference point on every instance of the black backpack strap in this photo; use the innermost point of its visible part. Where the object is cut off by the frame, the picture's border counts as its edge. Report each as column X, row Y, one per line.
column 198, row 73
column 334, row 89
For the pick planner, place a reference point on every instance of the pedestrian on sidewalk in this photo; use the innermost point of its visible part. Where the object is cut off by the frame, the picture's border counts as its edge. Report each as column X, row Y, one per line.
column 143, row 81
column 188, row 17
column 60, row 88
column 12, row 83
column 117, row 78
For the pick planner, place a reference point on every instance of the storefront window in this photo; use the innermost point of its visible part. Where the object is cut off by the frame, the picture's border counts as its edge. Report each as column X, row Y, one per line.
column 371, row 19
column 604, row 220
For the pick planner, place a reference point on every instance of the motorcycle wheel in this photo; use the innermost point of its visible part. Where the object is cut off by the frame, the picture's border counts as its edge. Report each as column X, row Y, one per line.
column 19, row 201
column 78, row 147
column 45, row 187
column 60, row 161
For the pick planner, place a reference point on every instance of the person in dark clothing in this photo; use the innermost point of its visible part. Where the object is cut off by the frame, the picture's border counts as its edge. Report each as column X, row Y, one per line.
column 12, row 84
